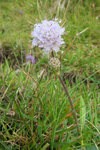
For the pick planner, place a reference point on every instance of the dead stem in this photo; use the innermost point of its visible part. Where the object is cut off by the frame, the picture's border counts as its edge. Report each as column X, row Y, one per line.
column 73, row 42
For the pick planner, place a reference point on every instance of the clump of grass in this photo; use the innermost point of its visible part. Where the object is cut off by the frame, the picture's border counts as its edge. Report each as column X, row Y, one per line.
column 35, row 116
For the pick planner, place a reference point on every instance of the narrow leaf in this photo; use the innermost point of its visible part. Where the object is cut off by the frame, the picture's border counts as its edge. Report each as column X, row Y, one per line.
column 82, row 112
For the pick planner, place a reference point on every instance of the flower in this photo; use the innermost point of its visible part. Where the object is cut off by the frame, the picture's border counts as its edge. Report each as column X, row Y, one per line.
column 36, row 19
column 47, row 35
column 21, row 12
column 30, row 57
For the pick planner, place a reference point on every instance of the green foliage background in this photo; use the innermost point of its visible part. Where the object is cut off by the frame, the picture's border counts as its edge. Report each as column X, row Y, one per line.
column 35, row 111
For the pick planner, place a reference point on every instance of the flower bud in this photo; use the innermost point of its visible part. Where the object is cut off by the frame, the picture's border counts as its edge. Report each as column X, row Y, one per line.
column 54, row 63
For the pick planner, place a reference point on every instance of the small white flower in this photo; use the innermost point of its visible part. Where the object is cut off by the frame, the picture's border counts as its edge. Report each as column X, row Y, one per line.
column 60, row 21
column 35, row 25
column 56, row 19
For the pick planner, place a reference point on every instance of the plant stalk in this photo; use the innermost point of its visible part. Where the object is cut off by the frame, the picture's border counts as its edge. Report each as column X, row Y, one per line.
column 52, row 53
column 72, row 106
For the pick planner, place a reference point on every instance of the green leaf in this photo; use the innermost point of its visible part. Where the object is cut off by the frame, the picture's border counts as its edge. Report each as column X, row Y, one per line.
column 82, row 112
column 39, row 131
column 3, row 145
column 7, row 65
column 92, row 147
column 45, row 146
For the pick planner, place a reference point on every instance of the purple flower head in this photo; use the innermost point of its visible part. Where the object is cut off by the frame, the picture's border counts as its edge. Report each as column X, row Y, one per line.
column 47, row 35
column 31, row 58
column 21, row 12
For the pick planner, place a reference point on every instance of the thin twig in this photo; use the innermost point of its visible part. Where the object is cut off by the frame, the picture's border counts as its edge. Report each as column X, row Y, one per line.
column 72, row 106
column 81, row 32
column 6, row 90
column 42, row 74
column 29, row 76
column 95, row 144
column 69, row 47
column 73, row 42
column 93, row 126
